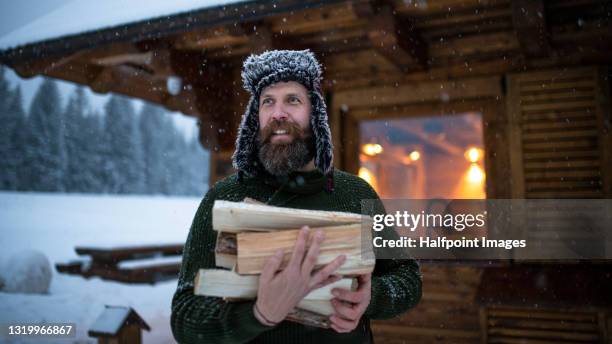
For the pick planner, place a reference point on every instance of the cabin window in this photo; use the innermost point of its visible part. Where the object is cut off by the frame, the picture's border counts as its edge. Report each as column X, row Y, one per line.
column 424, row 157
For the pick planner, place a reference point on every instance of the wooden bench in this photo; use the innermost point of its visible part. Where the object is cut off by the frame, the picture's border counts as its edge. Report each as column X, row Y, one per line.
column 133, row 264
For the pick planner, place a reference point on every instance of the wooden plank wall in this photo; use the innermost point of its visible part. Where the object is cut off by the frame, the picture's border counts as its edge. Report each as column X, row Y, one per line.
column 447, row 312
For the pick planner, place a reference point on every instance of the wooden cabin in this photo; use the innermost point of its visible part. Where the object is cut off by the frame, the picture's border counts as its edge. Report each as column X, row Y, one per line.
column 454, row 98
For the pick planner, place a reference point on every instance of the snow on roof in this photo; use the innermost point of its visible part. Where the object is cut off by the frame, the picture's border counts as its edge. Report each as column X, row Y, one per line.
column 110, row 320
column 79, row 16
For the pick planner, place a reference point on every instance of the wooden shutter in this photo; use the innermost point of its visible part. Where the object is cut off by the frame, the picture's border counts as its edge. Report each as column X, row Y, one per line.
column 513, row 325
column 559, row 133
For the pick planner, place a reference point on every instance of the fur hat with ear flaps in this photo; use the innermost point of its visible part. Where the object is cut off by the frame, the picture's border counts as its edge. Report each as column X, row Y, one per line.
column 260, row 71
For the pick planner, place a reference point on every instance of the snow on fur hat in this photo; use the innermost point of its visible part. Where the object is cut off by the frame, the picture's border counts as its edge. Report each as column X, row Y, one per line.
column 260, row 71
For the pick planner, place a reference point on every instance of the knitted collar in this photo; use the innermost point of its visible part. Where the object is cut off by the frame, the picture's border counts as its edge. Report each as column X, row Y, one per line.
column 304, row 183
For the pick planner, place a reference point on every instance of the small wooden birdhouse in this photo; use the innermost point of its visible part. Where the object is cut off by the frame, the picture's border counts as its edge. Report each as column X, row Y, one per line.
column 118, row 325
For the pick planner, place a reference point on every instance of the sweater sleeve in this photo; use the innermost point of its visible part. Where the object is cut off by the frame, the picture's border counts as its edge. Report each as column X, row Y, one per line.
column 396, row 283
column 207, row 319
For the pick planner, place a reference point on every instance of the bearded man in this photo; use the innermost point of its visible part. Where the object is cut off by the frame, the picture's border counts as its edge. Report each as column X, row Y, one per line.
column 283, row 157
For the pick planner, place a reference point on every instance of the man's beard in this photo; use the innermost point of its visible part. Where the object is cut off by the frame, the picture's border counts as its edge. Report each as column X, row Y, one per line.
column 280, row 159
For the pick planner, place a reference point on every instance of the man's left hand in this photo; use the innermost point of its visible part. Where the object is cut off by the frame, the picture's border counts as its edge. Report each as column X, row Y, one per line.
column 350, row 305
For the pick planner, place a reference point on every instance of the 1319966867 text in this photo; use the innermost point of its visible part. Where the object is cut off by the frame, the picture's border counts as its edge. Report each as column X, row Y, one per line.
column 40, row 330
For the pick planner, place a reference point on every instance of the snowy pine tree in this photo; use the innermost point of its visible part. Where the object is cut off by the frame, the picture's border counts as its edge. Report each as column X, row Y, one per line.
column 182, row 165
column 6, row 129
column 20, row 139
column 93, row 148
column 197, row 174
column 153, row 125
column 173, row 166
column 172, row 172
column 11, row 143
column 44, row 152
column 75, row 140
column 123, row 154
column 137, row 171
column 4, row 90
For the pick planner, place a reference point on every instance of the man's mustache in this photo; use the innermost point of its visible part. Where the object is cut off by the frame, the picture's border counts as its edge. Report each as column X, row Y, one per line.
column 291, row 128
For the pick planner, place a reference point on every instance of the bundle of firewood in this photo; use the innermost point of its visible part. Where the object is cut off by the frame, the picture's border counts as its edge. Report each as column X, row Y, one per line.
column 250, row 232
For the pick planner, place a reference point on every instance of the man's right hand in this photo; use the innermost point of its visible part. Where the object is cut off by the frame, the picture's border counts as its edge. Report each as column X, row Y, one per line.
column 280, row 292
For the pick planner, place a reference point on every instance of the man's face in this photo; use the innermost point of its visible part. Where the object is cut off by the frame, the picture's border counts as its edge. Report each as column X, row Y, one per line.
column 285, row 139
column 284, row 102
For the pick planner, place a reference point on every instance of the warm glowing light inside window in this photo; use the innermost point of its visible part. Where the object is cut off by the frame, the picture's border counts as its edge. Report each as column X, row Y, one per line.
column 367, row 175
column 372, row 149
column 415, row 155
column 475, row 174
column 473, row 154
column 421, row 157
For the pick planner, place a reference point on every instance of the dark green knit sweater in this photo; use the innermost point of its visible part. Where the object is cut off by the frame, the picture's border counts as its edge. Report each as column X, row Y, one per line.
column 396, row 284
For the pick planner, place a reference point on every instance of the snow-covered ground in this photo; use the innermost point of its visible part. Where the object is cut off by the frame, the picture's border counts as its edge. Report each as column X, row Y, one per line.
column 55, row 223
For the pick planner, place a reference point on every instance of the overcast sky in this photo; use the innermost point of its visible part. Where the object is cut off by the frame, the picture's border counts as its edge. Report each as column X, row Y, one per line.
column 15, row 14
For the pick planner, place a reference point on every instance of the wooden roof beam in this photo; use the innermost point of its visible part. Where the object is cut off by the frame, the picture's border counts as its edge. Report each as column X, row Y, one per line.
column 393, row 36
column 160, row 64
column 219, row 38
column 107, row 69
column 134, row 58
column 257, row 35
column 155, row 57
column 114, row 54
column 102, row 81
column 528, row 18
column 144, row 86
column 45, row 65
column 261, row 37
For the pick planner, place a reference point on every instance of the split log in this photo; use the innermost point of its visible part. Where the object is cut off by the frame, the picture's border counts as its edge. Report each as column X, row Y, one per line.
column 323, row 307
column 255, row 248
column 308, row 318
column 313, row 310
column 240, row 216
column 252, row 201
column 229, row 284
column 226, row 250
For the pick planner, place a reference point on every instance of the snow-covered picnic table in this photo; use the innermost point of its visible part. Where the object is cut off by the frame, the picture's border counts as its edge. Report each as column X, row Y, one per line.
column 129, row 264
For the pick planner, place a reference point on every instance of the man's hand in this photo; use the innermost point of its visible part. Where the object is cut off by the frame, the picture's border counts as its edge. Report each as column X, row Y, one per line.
column 280, row 292
column 350, row 305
